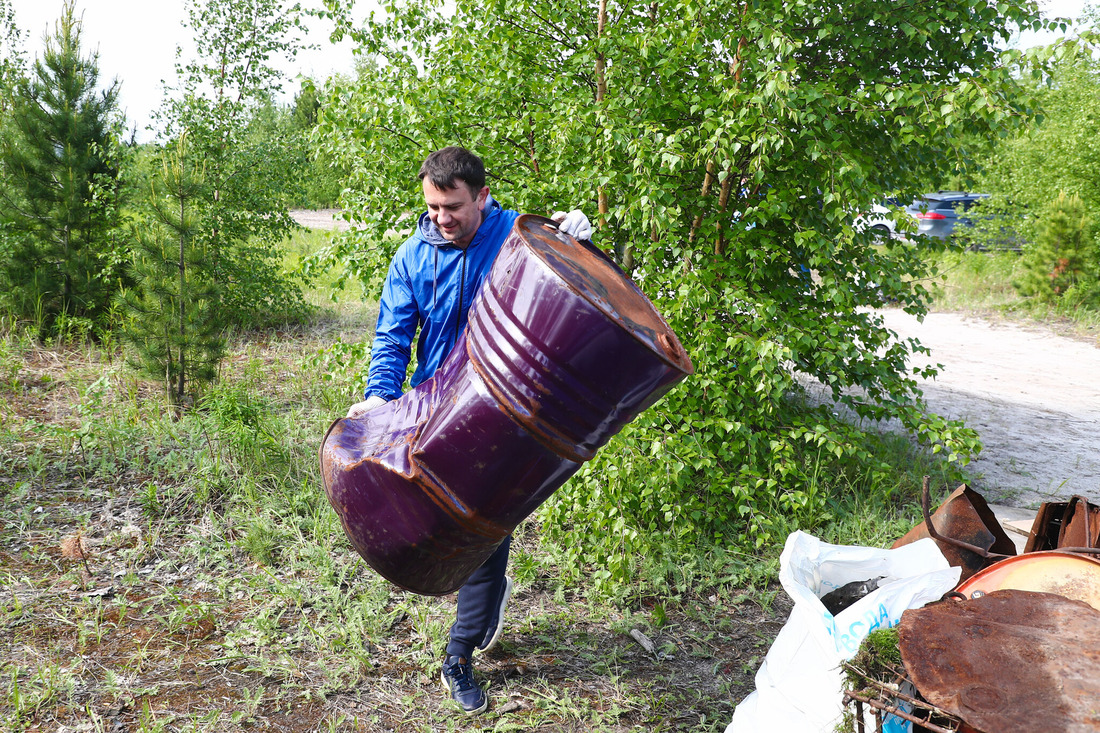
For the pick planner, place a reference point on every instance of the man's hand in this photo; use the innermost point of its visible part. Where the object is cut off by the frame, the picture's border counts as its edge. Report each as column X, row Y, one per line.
column 362, row 408
column 575, row 224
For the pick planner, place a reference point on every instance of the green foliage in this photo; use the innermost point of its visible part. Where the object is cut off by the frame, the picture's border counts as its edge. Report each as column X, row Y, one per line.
column 1058, row 154
column 322, row 178
column 1064, row 261
column 1048, row 172
column 343, row 362
column 997, row 224
column 11, row 56
column 243, row 423
column 722, row 150
column 59, row 186
column 172, row 316
column 307, row 106
column 250, row 161
column 221, row 183
column 1053, row 158
column 877, row 661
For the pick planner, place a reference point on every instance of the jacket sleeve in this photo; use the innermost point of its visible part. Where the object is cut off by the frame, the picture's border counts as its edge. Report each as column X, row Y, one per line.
column 398, row 318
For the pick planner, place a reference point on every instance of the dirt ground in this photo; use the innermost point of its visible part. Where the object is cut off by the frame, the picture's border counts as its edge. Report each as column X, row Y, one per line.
column 1032, row 395
column 167, row 626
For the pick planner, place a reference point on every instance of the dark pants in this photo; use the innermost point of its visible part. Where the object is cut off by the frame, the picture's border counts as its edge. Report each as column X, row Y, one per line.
column 478, row 602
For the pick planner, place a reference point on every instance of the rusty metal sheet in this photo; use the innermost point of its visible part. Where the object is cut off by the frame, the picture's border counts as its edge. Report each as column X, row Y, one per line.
column 1082, row 524
column 1065, row 573
column 1011, row 660
column 964, row 516
column 1065, row 524
column 1046, row 527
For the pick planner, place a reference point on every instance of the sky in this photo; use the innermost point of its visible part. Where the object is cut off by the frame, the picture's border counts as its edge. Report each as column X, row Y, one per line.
column 1050, row 8
column 137, row 41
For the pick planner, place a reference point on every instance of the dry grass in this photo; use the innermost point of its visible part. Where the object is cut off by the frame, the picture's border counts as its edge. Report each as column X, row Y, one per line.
column 158, row 576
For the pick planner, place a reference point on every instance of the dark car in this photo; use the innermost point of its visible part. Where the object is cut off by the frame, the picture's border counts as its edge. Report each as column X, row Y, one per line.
column 938, row 214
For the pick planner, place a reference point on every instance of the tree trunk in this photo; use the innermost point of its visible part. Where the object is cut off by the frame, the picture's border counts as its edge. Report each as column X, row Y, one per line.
column 601, row 96
column 180, row 390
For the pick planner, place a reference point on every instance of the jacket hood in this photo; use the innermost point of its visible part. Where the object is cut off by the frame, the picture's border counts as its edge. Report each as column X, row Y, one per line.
column 430, row 233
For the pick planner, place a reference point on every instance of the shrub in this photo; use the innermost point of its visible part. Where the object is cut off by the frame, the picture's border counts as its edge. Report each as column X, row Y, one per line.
column 1064, row 258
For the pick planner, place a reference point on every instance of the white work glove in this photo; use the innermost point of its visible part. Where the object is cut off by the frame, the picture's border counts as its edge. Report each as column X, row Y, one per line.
column 362, row 408
column 575, row 224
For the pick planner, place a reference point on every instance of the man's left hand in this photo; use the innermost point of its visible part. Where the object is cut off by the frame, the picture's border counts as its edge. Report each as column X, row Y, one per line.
column 362, row 408
column 575, row 224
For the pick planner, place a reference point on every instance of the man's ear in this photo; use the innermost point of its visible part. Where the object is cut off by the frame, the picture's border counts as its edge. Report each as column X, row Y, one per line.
column 482, row 197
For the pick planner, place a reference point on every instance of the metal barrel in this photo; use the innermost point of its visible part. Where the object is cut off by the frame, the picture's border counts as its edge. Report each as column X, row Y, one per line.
column 561, row 351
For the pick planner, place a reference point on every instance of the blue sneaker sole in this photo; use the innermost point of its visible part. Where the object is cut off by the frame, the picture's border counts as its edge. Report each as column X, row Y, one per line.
column 507, row 594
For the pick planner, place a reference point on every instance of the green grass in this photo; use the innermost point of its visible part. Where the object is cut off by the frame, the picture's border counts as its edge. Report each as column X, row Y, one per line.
column 981, row 283
column 220, row 592
column 977, row 282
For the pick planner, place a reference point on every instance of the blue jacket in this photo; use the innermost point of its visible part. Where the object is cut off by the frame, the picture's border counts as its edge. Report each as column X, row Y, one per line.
column 430, row 285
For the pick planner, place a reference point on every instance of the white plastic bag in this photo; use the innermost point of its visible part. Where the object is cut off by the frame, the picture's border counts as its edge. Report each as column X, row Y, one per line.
column 799, row 687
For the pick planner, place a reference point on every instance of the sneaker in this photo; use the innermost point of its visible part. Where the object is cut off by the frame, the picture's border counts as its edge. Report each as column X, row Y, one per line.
column 458, row 678
column 496, row 623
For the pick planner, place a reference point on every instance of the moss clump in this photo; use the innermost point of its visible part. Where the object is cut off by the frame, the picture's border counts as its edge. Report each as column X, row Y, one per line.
column 878, row 659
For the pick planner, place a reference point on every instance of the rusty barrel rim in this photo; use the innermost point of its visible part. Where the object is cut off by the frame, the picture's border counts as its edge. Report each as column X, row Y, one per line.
column 665, row 344
column 1069, row 574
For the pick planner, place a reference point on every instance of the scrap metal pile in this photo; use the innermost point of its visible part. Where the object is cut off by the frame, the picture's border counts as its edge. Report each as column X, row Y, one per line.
column 1016, row 645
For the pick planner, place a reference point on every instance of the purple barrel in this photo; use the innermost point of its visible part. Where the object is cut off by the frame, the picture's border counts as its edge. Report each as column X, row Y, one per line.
column 562, row 350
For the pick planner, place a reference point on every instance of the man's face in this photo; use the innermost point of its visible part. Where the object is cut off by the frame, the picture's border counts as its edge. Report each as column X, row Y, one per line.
column 456, row 211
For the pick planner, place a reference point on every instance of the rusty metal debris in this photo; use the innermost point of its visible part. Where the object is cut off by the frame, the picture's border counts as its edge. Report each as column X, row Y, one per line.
column 1082, row 526
column 965, row 529
column 1011, row 660
column 1045, row 528
column 1016, row 646
column 1073, row 524
column 883, row 706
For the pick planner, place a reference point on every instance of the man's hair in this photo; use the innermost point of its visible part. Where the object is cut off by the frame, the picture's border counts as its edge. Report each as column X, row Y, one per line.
column 445, row 167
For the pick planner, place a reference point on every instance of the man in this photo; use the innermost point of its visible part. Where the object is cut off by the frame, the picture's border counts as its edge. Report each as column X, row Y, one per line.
column 431, row 283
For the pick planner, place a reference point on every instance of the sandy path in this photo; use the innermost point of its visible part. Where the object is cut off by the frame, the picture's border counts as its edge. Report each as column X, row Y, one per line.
column 1033, row 397
column 319, row 218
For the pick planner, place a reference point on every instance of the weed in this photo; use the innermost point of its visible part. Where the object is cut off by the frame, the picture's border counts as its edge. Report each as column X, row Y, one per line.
column 262, row 541
column 12, row 351
column 30, row 692
column 149, row 498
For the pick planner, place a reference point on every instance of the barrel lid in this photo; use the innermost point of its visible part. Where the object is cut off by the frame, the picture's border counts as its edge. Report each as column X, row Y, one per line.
column 594, row 276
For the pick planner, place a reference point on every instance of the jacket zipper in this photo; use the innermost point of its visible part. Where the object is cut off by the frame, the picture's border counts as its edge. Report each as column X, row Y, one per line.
column 461, row 299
